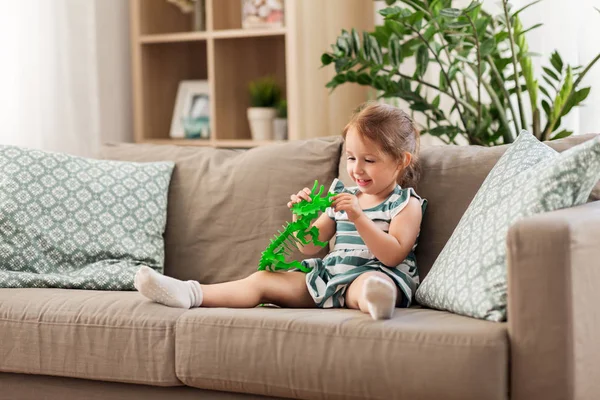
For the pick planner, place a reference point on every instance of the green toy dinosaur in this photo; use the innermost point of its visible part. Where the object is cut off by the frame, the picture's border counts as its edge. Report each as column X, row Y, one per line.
column 273, row 258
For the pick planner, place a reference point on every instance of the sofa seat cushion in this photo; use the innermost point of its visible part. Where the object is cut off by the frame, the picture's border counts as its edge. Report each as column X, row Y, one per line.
column 100, row 335
column 333, row 354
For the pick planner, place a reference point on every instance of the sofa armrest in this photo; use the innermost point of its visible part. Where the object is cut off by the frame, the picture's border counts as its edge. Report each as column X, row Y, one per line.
column 553, row 302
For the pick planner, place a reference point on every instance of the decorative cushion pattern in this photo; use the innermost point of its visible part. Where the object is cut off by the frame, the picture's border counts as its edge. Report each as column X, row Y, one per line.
column 72, row 222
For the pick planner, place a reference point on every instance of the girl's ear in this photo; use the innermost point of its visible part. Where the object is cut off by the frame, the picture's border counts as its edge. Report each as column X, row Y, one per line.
column 405, row 161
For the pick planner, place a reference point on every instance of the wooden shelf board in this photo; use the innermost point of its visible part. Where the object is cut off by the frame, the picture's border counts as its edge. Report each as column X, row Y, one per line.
column 174, row 37
column 242, row 33
column 199, row 36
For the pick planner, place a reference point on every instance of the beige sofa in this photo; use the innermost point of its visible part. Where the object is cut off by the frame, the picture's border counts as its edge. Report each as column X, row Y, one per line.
column 223, row 207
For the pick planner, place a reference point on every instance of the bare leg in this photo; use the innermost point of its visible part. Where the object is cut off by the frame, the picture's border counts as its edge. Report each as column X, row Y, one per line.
column 287, row 289
column 376, row 292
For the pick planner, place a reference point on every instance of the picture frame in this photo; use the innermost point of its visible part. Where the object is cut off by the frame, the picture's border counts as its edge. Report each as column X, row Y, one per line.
column 191, row 114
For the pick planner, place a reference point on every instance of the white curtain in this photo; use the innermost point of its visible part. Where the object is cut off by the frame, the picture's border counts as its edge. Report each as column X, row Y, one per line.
column 56, row 86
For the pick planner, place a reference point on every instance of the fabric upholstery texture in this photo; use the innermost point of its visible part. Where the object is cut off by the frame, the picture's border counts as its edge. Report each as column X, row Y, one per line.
column 225, row 205
column 343, row 354
column 112, row 336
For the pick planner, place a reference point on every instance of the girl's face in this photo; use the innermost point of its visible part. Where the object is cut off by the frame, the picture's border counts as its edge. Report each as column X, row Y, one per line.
column 374, row 172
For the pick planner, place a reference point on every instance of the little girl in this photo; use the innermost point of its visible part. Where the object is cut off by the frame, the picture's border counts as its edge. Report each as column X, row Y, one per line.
column 372, row 266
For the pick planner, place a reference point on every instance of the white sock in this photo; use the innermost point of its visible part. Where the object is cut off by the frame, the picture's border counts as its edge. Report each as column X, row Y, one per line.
column 381, row 297
column 166, row 290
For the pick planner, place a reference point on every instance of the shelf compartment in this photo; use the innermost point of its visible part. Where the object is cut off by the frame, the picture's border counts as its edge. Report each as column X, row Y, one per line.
column 163, row 67
column 237, row 62
column 160, row 16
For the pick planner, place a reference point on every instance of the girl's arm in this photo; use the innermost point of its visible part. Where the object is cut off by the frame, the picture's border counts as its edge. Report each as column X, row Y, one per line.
column 326, row 231
column 392, row 248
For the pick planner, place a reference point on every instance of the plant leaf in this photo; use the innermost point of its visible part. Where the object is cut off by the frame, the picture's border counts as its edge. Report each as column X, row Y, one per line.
column 343, row 45
column 366, row 46
column 501, row 36
column 443, row 83
column 326, row 59
column 355, row 42
column 395, row 51
column 557, row 62
column 562, row 134
column 422, row 61
column 545, row 92
column 376, row 54
column 450, row 12
column 363, row 79
column 577, row 98
column 487, row 47
column 472, row 6
column 546, row 107
column 551, row 73
column 549, row 82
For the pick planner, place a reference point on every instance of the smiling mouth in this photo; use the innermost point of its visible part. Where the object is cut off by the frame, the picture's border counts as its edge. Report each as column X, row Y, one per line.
column 363, row 182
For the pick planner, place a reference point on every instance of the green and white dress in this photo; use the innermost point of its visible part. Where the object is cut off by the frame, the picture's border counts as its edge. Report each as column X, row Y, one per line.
column 329, row 278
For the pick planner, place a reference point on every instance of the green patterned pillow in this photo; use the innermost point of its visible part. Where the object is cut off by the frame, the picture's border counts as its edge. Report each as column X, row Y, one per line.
column 72, row 222
column 469, row 276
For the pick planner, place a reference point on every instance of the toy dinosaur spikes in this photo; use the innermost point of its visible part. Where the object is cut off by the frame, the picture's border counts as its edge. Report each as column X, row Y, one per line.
column 284, row 243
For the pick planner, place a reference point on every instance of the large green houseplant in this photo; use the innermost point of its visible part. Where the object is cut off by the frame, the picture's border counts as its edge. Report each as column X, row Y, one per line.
column 477, row 55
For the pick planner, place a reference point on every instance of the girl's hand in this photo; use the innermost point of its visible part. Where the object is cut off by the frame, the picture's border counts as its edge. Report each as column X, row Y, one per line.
column 297, row 198
column 349, row 203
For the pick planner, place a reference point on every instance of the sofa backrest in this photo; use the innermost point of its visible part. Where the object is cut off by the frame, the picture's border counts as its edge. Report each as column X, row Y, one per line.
column 226, row 205
column 451, row 176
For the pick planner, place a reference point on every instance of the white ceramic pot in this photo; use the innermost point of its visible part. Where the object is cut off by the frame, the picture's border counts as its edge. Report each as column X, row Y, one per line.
column 280, row 127
column 261, row 122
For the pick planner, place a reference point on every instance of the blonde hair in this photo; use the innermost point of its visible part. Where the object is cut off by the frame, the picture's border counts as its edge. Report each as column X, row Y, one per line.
column 393, row 131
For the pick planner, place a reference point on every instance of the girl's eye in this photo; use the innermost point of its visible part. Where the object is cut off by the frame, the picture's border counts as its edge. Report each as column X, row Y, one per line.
column 351, row 158
column 370, row 161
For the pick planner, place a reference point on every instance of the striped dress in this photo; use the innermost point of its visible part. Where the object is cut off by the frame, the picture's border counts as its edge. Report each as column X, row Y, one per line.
column 329, row 278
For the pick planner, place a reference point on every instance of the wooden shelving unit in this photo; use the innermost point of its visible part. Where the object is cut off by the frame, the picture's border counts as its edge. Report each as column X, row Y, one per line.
column 165, row 51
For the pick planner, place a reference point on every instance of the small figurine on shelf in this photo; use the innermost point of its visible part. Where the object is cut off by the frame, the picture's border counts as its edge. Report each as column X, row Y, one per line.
column 280, row 124
column 262, row 13
column 265, row 94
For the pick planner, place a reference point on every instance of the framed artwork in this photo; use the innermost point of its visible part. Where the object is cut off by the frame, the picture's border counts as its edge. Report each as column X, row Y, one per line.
column 191, row 115
column 262, row 13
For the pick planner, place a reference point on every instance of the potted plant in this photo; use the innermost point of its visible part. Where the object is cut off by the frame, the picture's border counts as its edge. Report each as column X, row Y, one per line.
column 280, row 124
column 264, row 97
column 485, row 71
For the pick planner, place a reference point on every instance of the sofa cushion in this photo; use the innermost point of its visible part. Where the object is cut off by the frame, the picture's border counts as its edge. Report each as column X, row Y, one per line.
column 100, row 335
column 451, row 175
column 334, row 354
column 226, row 205
column 74, row 222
